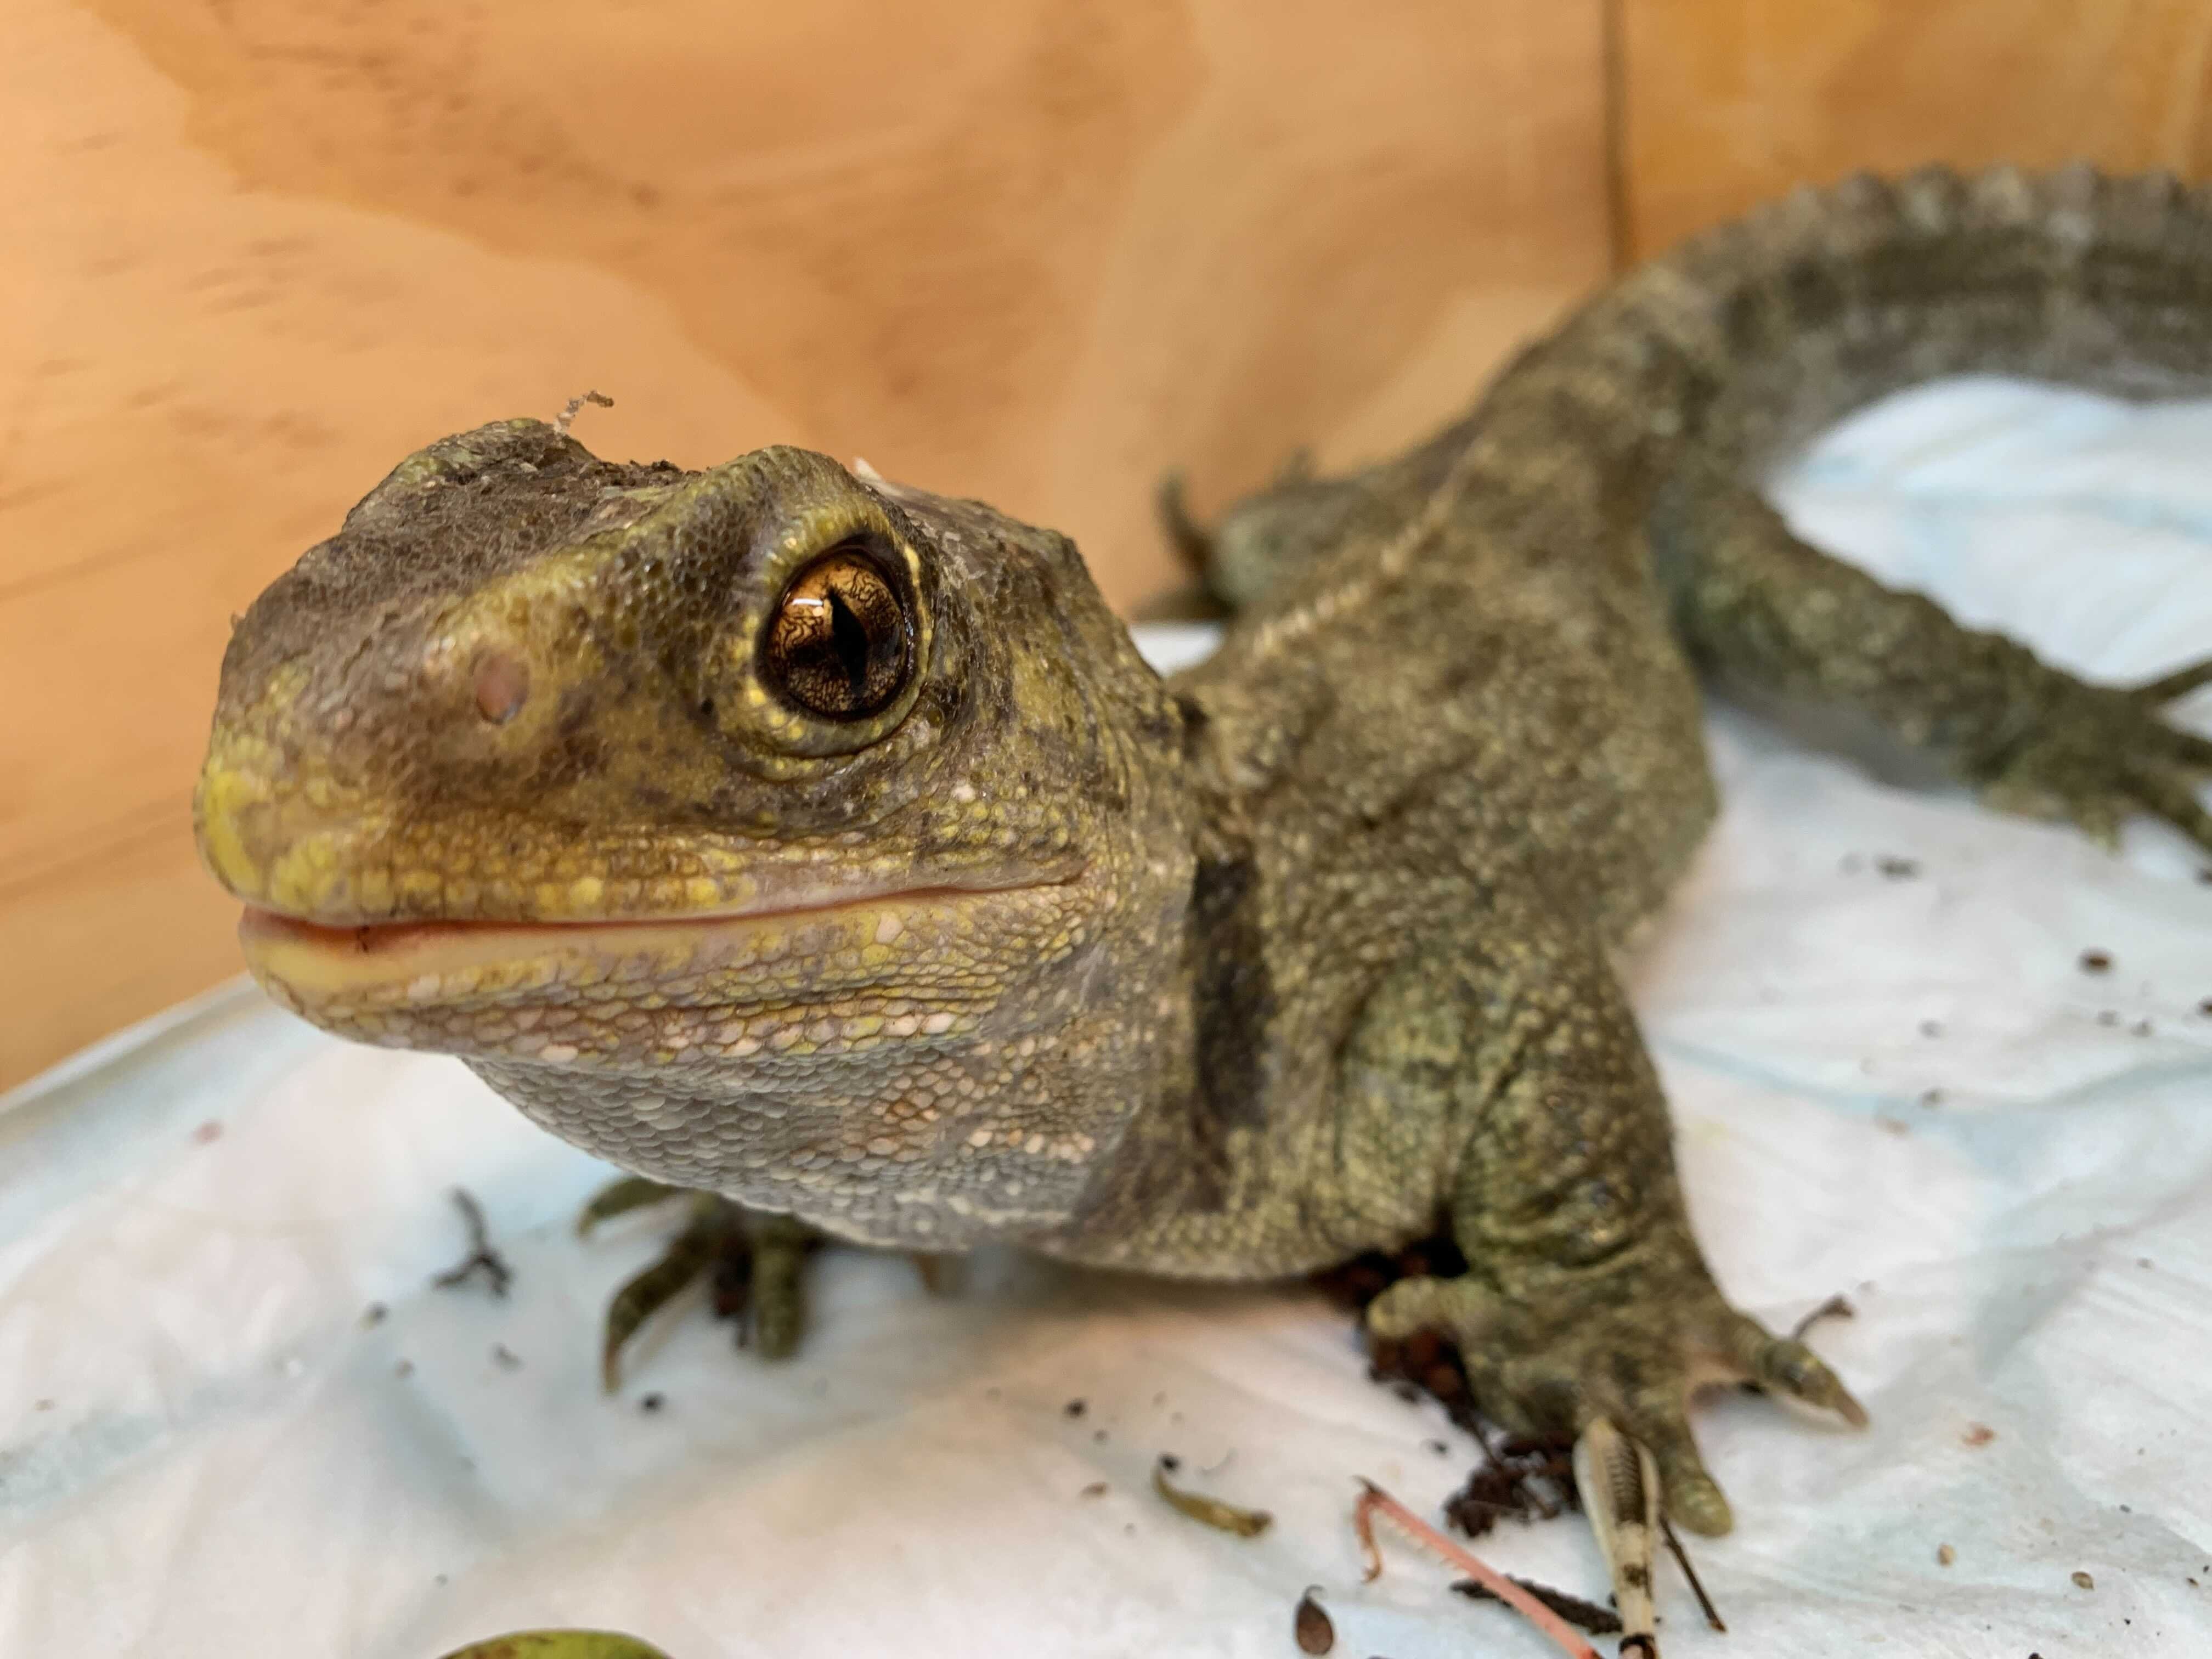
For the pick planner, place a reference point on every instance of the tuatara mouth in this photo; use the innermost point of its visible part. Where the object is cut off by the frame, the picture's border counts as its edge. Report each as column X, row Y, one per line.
column 800, row 977
column 354, row 958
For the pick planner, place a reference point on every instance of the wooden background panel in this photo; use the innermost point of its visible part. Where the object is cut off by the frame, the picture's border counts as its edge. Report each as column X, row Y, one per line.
column 1728, row 102
column 1031, row 250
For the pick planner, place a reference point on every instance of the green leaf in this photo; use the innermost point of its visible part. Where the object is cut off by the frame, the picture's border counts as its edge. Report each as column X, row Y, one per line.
column 559, row 1644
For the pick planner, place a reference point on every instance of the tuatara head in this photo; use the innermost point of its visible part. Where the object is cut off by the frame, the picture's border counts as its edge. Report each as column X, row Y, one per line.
column 750, row 826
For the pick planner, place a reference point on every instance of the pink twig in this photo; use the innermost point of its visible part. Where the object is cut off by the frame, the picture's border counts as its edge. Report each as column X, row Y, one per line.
column 1373, row 1500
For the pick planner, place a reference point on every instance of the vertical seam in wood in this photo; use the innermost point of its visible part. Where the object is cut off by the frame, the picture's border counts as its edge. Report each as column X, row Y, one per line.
column 1613, row 55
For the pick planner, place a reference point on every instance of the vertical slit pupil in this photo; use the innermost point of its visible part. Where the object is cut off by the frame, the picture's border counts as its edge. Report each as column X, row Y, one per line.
column 848, row 637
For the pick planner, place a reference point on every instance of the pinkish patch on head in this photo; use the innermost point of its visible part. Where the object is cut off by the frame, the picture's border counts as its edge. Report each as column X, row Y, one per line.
column 503, row 686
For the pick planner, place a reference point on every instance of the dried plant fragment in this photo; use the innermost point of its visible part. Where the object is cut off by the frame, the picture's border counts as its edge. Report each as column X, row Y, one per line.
column 1210, row 1511
column 1374, row 1501
column 1582, row 1615
column 575, row 406
column 481, row 1258
column 1682, row 1560
column 1619, row 1484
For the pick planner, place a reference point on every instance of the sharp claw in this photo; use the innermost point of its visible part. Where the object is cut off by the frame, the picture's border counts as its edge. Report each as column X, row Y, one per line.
column 1785, row 1363
column 1806, row 1378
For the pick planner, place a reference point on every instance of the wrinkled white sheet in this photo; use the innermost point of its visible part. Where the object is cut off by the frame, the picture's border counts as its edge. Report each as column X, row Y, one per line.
column 203, row 1452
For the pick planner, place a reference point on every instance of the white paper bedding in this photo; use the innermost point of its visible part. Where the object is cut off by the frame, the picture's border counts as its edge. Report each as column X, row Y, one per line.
column 1892, row 1078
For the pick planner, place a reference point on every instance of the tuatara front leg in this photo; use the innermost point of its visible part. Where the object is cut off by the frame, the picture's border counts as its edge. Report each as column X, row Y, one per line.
column 756, row 1263
column 1758, row 603
column 1585, row 1296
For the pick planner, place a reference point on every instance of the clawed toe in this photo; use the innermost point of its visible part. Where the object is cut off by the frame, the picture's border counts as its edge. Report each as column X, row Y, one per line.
column 1787, row 1366
column 1691, row 1495
column 2105, row 754
column 620, row 1197
column 2179, row 683
column 712, row 1233
column 779, row 1247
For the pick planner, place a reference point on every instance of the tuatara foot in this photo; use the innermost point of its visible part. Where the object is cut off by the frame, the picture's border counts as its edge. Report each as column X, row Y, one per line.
column 2093, row 756
column 1630, row 1346
column 756, row 1262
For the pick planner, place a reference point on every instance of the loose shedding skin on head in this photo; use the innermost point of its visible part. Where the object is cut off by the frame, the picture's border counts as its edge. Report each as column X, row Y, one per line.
column 826, row 844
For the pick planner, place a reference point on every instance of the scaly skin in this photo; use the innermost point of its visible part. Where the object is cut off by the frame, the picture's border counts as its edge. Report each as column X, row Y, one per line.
column 1234, row 975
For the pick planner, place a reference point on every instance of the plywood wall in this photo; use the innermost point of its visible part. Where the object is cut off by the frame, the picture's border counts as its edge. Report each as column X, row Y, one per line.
column 1730, row 101
column 1036, row 251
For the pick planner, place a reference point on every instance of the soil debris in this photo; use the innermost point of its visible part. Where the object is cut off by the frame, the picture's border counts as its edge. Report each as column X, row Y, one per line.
column 1584, row 1615
column 1311, row 1625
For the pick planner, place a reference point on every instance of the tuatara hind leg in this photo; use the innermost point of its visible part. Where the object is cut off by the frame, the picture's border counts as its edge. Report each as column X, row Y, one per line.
column 756, row 1263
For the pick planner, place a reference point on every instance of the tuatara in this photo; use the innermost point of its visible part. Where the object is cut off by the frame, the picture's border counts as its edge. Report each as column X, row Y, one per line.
column 823, row 843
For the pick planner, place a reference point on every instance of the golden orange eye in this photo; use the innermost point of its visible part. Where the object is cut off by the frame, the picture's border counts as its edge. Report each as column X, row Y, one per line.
column 841, row 642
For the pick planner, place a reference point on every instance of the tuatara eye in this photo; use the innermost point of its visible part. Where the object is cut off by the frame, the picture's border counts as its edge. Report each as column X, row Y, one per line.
column 841, row 642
